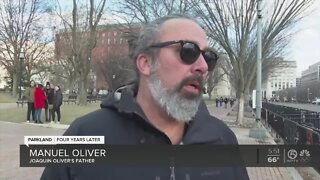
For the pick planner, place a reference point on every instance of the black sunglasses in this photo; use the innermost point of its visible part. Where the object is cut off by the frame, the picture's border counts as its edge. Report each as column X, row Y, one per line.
column 190, row 52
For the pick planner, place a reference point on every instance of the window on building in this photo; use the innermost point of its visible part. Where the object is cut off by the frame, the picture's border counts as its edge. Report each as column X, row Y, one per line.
column 109, row 40
column 114, row 34
column 121, row 38
column 114, row 40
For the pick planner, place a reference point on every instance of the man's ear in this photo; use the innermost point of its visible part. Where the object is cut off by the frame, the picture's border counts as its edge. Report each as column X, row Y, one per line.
column 143, row 64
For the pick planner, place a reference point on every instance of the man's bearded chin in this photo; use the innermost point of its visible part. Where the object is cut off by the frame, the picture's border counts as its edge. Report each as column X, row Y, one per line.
column 180, row 106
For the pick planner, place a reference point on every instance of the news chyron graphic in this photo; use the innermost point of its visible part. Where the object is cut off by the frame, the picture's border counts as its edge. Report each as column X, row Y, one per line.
column 50, row 150
column 41, row 151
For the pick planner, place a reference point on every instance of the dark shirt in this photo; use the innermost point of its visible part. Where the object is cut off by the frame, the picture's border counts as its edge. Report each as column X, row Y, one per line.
column 122, row 121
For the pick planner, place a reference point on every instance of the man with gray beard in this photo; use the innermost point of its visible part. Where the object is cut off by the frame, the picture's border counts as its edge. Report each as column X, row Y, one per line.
column 164, row 107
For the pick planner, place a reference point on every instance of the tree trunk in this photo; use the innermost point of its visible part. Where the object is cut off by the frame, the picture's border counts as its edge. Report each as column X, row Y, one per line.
column 82, row 96
column 15, row 80
column 240, row 109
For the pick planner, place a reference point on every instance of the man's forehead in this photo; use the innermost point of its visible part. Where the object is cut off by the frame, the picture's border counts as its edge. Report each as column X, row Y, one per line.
column 182, row 29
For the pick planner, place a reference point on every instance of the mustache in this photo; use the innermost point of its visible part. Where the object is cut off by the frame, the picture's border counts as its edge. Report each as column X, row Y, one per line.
column 198, row 78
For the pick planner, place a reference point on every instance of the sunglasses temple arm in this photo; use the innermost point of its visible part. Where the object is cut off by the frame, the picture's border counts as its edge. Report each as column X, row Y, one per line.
column 163, row 44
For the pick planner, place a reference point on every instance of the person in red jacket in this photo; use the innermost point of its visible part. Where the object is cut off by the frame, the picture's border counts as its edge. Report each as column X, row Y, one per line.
column 39, row 102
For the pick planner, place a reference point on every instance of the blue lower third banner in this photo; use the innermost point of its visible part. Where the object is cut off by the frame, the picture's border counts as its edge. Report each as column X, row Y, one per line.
column 166, row 155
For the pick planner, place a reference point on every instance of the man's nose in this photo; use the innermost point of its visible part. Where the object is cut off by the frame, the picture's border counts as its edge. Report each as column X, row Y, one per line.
column 200, row 66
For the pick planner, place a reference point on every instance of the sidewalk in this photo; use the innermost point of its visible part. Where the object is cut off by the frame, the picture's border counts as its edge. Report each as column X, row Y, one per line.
column 11, row 136
column 49, row 125
column 242, row 134
column 7, row 105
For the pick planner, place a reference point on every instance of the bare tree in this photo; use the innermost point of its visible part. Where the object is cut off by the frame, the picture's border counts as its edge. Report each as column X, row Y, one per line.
column 64, row 74
column 145, row 11
column 19, row 24
column 117, row 70
column 232, row 23
column 38, row 57
column 81, row 37
column 220, row 72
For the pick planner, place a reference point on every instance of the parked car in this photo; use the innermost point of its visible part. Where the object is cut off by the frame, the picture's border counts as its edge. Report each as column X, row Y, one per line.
column 316, row 101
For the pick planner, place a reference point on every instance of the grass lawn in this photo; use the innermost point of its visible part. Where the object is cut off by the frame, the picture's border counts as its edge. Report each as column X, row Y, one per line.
column 210, row 102
column 68, row 113
column 7, row 98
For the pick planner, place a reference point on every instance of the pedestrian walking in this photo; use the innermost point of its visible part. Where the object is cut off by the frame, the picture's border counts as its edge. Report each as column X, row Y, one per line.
column 217, row 102
column 231, row 102
column 226, row 100
column 221, row 101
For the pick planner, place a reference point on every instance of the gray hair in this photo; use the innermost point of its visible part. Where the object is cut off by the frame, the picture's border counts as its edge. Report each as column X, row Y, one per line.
column 148, row 35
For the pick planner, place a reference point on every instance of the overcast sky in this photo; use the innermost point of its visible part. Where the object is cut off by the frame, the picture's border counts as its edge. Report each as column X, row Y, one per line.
column 305, row 45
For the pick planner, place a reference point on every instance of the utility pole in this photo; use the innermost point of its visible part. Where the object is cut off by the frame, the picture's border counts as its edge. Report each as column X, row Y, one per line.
column 258, row 132
column 308, row 95
column 259, row 56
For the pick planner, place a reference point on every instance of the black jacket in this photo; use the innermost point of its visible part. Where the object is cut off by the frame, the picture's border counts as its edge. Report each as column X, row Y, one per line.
column 57, row 99
column 49, row 93
column 123, row 122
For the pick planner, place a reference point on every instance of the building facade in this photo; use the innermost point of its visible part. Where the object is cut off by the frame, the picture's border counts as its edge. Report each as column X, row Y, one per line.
column 3, row 75
column 312, row 74
column 110, row 40
column 283, row 76
column 298, row 82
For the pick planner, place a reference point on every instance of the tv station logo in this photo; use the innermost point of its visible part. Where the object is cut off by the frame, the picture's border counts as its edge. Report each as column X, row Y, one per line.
column 297, row 156
column 287, row 156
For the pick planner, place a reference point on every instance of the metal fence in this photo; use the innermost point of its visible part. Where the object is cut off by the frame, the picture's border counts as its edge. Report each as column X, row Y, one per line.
column 293, row 125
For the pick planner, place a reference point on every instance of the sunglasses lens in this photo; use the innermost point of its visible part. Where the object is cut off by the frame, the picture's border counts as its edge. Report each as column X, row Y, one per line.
column 211, row 59
column 189, row 53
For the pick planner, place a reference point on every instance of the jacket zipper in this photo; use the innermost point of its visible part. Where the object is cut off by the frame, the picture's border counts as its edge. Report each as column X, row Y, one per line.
column 173, row 174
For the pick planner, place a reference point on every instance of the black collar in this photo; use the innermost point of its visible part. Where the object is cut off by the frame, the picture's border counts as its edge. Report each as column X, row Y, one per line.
column 202, row 129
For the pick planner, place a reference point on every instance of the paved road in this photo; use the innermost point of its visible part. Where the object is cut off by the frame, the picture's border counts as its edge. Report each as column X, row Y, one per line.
column 8, row 105
column 11, row 136
column 310, row 107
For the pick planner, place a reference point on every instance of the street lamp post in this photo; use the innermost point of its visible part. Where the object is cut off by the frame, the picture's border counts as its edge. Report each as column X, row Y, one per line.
column 258, row 132
column 21, row 57
column 113, row 78
column 308, row 94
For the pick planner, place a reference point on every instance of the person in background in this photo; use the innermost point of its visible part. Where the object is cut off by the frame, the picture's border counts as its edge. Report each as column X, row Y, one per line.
column 220, row 101
column 39, row 102
column 226, row 100
column 29, row 94
column 231, row 101
column 217, row 102
column 57, row 102
column 49, row 92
